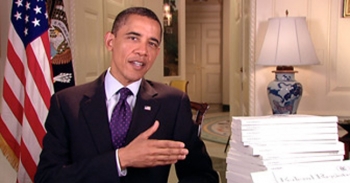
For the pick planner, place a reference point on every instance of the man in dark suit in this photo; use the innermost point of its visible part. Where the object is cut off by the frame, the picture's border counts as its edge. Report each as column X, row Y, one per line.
column 78, row 145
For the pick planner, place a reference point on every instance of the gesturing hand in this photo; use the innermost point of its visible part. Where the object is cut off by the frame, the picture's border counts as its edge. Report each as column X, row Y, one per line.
column 145, row 152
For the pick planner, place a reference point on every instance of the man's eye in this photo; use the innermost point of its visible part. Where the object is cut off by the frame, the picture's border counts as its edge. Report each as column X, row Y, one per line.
column 155, row 45
column 133, row 38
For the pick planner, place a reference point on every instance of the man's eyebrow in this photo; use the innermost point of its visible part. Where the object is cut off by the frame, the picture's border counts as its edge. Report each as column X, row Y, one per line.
column 139, row 35
column 155, row 40
column 133, row 33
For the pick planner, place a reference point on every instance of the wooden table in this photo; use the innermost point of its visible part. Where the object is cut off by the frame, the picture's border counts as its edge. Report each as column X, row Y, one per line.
column 346, row 140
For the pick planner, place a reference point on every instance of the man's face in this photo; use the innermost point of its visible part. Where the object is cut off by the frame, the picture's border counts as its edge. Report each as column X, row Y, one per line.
column 134, row 47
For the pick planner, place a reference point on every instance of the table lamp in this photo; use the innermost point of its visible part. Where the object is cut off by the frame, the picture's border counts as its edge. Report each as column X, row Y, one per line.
column 287, row 43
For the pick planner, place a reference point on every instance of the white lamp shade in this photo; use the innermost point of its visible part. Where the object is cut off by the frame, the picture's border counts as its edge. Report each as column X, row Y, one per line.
column 287, row 42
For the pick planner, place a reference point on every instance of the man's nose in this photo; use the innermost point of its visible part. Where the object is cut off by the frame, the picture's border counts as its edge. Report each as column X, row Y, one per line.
column 142, row 49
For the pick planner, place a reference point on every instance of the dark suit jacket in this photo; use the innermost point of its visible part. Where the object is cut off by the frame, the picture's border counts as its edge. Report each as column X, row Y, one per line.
column 78, row 147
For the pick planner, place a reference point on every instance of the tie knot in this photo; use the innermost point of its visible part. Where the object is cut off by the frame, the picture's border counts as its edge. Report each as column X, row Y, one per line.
column 124, row 93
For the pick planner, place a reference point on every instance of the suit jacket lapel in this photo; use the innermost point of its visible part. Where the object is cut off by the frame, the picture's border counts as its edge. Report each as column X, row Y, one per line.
column 144, row 112
column 95, row 112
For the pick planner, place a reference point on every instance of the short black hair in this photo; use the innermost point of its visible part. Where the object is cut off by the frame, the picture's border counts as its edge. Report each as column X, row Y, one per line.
column 121, row 18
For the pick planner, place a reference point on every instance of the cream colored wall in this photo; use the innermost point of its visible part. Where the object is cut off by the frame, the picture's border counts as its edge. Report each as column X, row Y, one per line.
column 4, row 21
column 326, row 86
column 7, row 174
column 232, row 55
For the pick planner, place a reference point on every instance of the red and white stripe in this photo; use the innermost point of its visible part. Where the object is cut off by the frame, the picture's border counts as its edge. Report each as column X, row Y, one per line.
column 27, row 89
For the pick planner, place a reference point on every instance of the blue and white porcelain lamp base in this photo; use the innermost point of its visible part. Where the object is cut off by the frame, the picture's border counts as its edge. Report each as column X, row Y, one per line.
column 284, row 92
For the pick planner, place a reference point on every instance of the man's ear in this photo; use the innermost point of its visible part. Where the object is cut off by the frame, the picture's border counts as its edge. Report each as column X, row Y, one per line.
column 109, row 37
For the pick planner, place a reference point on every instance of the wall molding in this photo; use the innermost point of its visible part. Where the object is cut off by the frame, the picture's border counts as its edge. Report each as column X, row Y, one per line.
column 252, row 36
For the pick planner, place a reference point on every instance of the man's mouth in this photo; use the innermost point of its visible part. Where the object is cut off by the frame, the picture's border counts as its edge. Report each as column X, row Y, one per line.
column 139, row 64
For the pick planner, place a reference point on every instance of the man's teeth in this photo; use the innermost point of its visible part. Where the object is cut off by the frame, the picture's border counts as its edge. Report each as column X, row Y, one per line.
column 138, row 63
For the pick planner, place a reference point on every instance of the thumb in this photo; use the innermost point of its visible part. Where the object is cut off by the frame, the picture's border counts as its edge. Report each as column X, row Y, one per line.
column 151, row 130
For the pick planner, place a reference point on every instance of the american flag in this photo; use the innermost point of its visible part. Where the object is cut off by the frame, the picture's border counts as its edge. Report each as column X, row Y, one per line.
column 27, row 87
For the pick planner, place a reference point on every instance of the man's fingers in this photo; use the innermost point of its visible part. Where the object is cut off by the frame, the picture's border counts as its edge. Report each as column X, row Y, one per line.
column 161, row 143
column 168, row 144
column 171, row 152
column 171, row 157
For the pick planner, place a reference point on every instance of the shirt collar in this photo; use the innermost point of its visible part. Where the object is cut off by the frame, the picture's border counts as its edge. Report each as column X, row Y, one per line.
column 112, row 85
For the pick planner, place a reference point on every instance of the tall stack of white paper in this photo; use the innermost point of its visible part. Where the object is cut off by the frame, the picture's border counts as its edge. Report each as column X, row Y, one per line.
column 319, row 172
column 272, row 142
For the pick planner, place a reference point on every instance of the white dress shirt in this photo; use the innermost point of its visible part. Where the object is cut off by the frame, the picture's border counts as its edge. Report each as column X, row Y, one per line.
column 112, row 85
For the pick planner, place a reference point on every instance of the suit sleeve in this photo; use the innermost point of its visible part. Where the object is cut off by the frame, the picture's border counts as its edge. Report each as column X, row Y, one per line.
column 197, row 167
column 56, row 162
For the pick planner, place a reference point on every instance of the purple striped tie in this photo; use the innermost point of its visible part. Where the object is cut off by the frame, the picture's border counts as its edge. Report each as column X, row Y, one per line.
column 121, row 118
